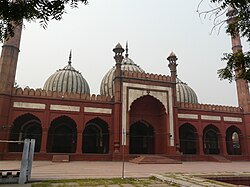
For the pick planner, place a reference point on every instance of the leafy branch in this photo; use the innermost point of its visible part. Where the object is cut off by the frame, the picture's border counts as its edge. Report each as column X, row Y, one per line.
column 14, row 12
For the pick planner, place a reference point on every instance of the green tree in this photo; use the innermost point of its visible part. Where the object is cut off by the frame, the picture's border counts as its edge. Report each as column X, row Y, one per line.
column 13, row 12
column 240, row 11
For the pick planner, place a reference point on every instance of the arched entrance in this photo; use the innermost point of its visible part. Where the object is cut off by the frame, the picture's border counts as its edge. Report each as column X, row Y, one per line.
column 211, row 140
column 62, row 136
column 96, row 137
column 149, row 130
column 188, row 139
column 141, row 138
column 25, row 126
column 233, row 141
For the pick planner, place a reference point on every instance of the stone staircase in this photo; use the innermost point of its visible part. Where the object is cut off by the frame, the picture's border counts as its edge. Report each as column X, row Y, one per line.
column 154, row 159
column 60, row 158
column 218, row 158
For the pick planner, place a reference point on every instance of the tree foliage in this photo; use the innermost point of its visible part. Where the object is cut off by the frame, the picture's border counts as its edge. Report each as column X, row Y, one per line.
column 237, row 64
column 13, row 12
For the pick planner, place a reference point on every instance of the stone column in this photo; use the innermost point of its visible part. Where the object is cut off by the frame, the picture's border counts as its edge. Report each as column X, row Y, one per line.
column 44, row 140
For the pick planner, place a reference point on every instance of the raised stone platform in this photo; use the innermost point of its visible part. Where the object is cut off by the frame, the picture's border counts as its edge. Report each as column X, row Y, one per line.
column 219, row 158
column 154, row 159
column 60, row 158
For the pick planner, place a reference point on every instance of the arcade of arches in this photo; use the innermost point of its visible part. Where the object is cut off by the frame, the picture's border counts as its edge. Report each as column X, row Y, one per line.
column 212, row 140
column 147, row 134
column 62, row 135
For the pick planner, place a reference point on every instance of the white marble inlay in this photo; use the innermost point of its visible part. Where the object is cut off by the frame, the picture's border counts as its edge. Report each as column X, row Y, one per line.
column 188, row 116
column 98, row 110
column 206, row 117
column 65, row 108
column 163, row 94
column 233, row 119
column 29, row 105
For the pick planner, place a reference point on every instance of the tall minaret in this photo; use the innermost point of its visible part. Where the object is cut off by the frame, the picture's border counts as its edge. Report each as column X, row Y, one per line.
column 242, row 85
column 8, row 62
column 118, row 50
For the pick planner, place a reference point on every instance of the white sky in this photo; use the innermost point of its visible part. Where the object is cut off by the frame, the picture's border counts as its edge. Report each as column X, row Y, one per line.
column 153, row 29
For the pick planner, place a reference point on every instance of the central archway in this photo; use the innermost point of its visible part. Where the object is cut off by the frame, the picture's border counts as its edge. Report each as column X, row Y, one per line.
column 149, row 127
column 141, row 139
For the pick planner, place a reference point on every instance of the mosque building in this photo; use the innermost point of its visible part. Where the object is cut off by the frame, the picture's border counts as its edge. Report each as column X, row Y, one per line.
column 136, row 113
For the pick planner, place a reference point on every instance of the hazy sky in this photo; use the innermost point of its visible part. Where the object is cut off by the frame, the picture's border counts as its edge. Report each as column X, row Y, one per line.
column 153, row 29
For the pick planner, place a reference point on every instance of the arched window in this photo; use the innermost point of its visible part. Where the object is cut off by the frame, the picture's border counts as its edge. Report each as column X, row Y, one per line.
column 25, row 126
column 141, row 139
column 96, row 137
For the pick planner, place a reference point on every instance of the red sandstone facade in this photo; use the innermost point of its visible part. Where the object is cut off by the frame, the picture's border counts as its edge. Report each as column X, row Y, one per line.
column 143, row 115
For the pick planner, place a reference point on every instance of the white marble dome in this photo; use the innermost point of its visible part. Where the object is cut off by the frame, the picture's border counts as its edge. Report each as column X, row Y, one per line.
column 107, row 84
column 184, row 93
column 67, row 80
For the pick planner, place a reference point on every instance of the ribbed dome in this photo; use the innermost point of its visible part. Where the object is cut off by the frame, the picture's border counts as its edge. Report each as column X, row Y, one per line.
column 184, row 93
column 67, row 80
column 107, row 87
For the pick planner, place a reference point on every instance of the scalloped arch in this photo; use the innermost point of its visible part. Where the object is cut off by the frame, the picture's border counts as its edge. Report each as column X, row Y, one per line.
column 159, row 96
column 146, row 96
column 96, row 118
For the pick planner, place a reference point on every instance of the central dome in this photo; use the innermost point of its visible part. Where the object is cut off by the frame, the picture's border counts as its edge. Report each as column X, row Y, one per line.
column 107, row 84
column 67, row 80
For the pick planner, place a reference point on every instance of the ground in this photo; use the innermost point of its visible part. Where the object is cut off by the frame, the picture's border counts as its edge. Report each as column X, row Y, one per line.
column 47, row 170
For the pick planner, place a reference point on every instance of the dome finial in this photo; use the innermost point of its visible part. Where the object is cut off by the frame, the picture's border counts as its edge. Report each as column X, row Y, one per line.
column 126, row 55
column 70, row 56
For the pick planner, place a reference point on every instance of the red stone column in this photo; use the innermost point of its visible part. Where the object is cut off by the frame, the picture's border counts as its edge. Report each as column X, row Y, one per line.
column 44, row 140
column 223, row 145
column 200, row 144
column 79, row 143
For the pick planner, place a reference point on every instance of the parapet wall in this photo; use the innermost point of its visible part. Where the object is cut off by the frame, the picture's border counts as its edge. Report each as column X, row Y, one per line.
column 219, row 108
column 148, row 76
column 50, row 94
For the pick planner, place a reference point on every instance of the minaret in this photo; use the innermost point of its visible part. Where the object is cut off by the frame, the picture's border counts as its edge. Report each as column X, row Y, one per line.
column 117, row 120
column 8, row 62
column 242, row 85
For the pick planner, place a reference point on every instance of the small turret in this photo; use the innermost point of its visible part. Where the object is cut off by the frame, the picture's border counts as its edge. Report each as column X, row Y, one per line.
column 172, row 65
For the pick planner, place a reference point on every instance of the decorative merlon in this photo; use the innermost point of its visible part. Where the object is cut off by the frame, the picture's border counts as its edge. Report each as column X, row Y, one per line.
column 59, row 95
column 148, row 76
column 208, row 107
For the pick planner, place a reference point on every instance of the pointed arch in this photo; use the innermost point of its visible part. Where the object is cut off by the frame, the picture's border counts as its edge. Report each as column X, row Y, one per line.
column 95, row 137
column 164, row 107
column 188, row 139
column 141, row 138
column 233, row 140
column 26, row 126
column 62, row 135
column 211, row 139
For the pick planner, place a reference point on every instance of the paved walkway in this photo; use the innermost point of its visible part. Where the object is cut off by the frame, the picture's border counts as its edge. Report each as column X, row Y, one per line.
column 87, row 169
column 43, row 170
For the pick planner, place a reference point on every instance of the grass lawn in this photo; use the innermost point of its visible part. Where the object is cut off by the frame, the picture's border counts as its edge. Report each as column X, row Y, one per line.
column 151, row 181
